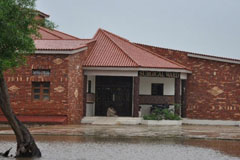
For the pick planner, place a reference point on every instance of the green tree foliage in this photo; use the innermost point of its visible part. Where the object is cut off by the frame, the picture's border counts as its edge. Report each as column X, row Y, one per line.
column 17, row 26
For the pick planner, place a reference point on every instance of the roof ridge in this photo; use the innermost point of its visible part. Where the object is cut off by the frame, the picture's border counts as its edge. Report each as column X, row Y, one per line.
column 161, row 56
column 66, row 39
column 116, row 35
column 234, row 59
column 45, row 29
column 94, row 36
column 148, row 51
column 119, row 47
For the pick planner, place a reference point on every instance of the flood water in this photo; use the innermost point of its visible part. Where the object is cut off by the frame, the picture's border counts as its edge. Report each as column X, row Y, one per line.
column 91, row 148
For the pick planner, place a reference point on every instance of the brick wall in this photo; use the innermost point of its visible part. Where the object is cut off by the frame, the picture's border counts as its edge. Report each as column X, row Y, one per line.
column 66, row 86
column 20, row 86
column 213, row 88
column 76, row 92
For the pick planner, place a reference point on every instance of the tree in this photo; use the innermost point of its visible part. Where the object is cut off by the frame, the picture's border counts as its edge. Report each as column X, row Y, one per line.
column 17, row 27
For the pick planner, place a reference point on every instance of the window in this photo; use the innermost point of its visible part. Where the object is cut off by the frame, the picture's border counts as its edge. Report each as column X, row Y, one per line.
column 41, row 72
column 41, row 91
column 157, row 89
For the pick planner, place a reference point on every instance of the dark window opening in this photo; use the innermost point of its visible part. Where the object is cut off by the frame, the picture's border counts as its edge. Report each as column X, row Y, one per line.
column 41, row 91
column 41, row 72
column 89, row 86
column 157, row 89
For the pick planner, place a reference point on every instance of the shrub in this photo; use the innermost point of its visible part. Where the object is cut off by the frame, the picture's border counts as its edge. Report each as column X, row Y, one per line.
column 160, row 114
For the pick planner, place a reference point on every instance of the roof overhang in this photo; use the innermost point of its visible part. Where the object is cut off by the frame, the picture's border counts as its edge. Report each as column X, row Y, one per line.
column 135, row 69
column 212, row 58
column 61, row 51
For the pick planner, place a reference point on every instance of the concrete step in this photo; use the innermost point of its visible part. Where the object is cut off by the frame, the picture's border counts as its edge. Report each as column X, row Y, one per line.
column 111, row 120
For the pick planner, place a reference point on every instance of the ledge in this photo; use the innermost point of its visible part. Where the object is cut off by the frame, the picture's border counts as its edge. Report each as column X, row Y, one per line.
column 128, row 121
column 162, row 122
column 188, row 121
column 39, row 119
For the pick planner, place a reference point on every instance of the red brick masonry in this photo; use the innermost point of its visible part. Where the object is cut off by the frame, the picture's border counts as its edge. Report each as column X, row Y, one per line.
column 213, row 88
column 66, row 89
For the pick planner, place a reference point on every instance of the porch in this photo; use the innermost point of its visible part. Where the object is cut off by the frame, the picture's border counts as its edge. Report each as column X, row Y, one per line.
column 133, row 93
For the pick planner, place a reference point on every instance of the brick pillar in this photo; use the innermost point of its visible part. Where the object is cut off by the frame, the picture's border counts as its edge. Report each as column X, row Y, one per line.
column 136, row 96
column 177, row 96
column 184, row 98
column 84, row 94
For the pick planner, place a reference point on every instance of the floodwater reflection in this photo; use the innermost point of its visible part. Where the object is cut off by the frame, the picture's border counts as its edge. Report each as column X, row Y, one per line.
column 92, row 148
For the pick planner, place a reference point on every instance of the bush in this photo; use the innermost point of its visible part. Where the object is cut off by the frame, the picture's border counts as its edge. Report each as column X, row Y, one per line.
column 160, row 114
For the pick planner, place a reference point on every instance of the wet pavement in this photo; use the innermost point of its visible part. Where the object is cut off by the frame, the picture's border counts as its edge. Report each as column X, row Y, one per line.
column 184, row 131
column 96, row 148
column 136, row 142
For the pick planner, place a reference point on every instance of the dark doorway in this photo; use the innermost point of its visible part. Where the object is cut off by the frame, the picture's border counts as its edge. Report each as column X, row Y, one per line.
column 116, row 92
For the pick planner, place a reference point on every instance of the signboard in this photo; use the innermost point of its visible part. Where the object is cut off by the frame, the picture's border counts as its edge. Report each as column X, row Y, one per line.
column 158, row 74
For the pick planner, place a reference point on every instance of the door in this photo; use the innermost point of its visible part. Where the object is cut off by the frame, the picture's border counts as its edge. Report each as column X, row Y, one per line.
column 115, row 92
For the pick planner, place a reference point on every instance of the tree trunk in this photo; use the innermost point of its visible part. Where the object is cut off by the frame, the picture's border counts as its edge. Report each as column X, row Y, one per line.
column 26, row 146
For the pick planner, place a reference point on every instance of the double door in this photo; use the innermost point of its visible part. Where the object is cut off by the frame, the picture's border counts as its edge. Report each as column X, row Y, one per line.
column 113, row 92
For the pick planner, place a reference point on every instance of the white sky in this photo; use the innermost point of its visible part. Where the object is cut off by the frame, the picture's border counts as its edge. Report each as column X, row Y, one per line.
column 202, row 26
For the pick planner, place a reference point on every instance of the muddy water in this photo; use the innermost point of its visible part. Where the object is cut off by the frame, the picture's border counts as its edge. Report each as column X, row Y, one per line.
column 91, row 148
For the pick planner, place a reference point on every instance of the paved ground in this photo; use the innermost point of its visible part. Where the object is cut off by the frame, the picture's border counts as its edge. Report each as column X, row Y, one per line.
column 186, row 131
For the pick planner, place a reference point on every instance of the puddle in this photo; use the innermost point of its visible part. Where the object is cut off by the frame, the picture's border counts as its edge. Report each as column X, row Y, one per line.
column 91, row 148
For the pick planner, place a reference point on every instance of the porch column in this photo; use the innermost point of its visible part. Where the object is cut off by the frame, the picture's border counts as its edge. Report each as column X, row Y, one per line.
column 177, row 96
column 184, row 98
column 136, row 96
column 84, row 94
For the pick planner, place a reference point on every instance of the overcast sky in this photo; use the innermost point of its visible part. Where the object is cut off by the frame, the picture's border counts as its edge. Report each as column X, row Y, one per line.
column 202, row 26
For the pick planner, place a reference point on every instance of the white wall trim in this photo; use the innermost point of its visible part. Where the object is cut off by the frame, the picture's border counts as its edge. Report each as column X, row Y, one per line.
column 135, row 69
column 60, row 51
column 214, row 58
column 183, row 76
column 110, row 73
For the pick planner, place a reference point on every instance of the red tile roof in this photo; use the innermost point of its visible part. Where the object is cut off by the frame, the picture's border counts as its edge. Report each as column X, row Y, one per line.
column 60, row 44
column 188, row 52
column 106, row 53
column 111, row 50
column 56, row 40
column 54, row 34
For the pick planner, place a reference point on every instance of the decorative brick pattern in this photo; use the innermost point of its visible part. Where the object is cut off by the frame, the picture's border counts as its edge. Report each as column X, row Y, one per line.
column 213, row 88
column 59, row 89
column 66, row 86
column 76, row 92
column 20, row 87
column 215, row 91
column 13, row 88
column 58, row 61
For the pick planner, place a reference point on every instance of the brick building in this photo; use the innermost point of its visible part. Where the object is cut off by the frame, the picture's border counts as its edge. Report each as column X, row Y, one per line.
column 69, row 78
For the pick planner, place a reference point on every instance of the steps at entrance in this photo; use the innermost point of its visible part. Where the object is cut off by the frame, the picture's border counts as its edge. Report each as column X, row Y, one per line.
column 111, row 120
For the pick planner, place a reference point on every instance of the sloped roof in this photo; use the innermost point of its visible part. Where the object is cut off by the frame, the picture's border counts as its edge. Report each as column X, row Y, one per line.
column 111, row 50
column 56, row 40
column 195, row 55
column 60, row 44
column 42, row 14
column 54, row 34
